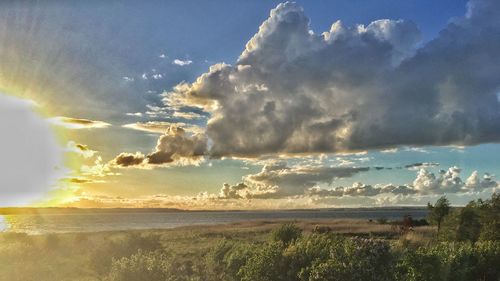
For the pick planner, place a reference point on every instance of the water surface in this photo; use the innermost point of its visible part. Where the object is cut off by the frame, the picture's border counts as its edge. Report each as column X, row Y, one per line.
column 109, row 221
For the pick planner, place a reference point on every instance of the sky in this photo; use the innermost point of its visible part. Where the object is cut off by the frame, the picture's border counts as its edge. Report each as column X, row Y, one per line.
column 248, row 104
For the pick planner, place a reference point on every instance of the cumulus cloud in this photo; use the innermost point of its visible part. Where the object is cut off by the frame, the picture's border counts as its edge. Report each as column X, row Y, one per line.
column 352, row 88
column 78, row 123
column 475, row 182
column 125, row 159
column 281, row 186
column 175, row 146
column 425, row 183
column 232, row 191
column 280, row 181
column 277, row 180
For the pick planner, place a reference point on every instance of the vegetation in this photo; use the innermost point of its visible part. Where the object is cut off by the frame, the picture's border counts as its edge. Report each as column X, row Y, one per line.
column 439, row 211
column 477, row 221
column 466, row 248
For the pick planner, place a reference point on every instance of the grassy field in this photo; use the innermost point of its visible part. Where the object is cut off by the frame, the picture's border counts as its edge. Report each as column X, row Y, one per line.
column 88, row 256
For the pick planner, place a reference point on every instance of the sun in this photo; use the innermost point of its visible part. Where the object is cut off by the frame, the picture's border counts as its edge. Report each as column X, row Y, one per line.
column 32, row 157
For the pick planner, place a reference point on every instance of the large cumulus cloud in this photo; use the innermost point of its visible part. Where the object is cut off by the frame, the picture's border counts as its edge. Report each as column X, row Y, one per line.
column 352, row 88
column 280, row 181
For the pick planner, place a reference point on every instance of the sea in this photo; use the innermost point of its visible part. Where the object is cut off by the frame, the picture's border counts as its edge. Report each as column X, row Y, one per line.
column 96, row 220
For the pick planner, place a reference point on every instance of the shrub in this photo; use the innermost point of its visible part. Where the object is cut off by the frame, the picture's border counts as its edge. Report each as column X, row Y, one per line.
column 469, row 226
column 102, row 255
column 304, row 252
column 151, row 266
column 286, row 233
column 454, row 261
column 321, row 229
column 266, row 264
column 418, row 265
column 355, row 259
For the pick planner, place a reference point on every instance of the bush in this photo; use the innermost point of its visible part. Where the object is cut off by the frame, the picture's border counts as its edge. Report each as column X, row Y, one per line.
column 286, row 233
column 265, row 264
column 455, row 261
column 321, row 229
column 224, row 261
column 418, row 266
column 469, row 226
column 151, row 266
column 355, row 259
column 302, row 254
column 102, row 255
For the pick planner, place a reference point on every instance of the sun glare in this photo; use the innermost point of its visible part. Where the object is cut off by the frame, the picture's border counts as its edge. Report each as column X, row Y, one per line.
column 32, row 157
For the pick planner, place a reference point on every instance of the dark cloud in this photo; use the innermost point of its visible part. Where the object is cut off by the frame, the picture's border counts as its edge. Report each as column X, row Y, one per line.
column 129, row 159
column 82, row 147
column 420, row 165
column 175, row 146
column 352, row 88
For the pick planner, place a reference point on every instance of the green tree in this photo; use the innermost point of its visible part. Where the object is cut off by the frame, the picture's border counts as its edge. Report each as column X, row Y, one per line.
column 439, row 211
column 490, row 218
column 469, row 226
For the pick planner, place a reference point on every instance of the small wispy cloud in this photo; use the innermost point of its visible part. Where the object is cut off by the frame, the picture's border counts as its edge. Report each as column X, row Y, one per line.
column 161, row 127
column 157, row 76
column 182, row 62
column 136, row 114
column 417, row 149
column 389, row 150
column 78, row 123
column 188, row 115
column 81, row 180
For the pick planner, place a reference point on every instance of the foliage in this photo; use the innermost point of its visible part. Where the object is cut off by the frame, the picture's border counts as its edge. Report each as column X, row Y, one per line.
column 286, row 233
column 152, row 266
column 439, row 211
column 451, row 261
column 355, row 259
column 478, row 220
column 101, row 257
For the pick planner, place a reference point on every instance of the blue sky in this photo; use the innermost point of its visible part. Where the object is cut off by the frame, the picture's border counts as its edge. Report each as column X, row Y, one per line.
column 130, row 76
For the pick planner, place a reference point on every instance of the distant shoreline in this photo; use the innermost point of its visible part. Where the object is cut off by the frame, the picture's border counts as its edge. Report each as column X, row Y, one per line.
column 63, row 210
